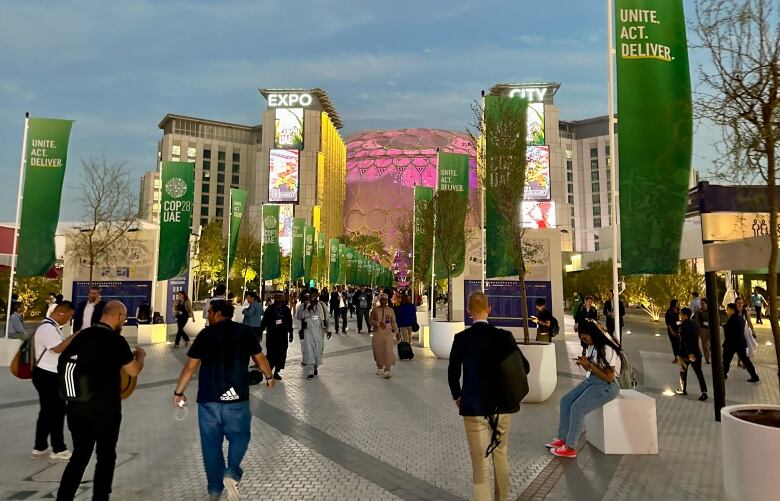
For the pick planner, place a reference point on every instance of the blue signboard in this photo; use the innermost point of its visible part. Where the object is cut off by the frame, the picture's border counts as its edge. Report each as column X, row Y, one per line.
column 504, row 300
column 132, row 293
column 175, row 285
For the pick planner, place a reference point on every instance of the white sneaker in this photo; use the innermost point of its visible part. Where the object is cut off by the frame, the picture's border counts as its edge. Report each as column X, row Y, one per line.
column 380, row 372
column 36, row 454
column 231, row 488
column 60, row 457
column 388, row 375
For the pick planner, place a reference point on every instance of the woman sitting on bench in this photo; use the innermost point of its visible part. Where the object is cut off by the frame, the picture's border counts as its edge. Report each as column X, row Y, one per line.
column 601, row 360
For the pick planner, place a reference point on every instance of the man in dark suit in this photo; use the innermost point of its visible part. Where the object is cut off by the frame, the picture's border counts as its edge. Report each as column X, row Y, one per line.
column 734, row 343
column 339, row 305
column 475, row 352
column 690, row 353
column 88, row 312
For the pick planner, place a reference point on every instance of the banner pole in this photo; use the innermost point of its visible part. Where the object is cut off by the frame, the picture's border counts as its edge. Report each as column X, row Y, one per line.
column 482, row 192
column 414, row 239
column 613, row 174
column 262, row 244
column 157, row 247
column 432, row 295
column 22, row 163
column 227, row 262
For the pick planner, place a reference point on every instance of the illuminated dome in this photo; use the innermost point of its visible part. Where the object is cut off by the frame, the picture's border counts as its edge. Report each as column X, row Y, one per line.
column 382, row 169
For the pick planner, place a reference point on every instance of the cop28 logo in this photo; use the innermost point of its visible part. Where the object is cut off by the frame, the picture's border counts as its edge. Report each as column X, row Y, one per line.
column 176, row 187
column 269, row 221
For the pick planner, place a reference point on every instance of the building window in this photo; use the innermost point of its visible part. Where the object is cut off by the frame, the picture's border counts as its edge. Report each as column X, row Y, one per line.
column 221, row 156
column 206, row 164
column 606, row 151
column 220, row 166
column 220, row 178
column 218, row 212
column 204, row 199
column 596, row 210
column 236, row 157
column 594, row 164
column 176, row 152
column 190, row 154
column 595, row 187
column 204, row 211
column 569, row 165
column 596, row 198
column 594, row 152
column 205, row 187
column 571, row 199
column 597, row 222
column 206, row 175
column 570, row 177
column 570, row 188
column 220, row 189
column 235, row 179
column 220, row 200
column 568, row 154
column 204, row 221
column 206, row 154
column 594, row 175
column 595, row 242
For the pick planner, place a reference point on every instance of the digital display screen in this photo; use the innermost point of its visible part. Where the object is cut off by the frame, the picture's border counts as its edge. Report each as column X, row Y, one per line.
column 538, row 214
column 286, row 214
column 537, row 173
column 283, row 176
column 288, row 128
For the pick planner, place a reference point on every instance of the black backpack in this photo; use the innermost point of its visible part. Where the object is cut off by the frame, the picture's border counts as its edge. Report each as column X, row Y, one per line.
column 555, row 327
column 77, row 382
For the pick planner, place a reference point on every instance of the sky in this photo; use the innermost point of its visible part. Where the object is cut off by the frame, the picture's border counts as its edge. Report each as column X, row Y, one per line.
column 118, row 67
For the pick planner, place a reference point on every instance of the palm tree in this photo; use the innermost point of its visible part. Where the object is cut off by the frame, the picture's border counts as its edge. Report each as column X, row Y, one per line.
column 370, row 245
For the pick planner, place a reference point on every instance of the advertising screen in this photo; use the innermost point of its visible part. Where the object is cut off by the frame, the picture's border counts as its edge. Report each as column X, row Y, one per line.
column 537, row 173
column 286, row 214
column 535, row 124
column 288, row 130
column 283, row 176
column 538, row 214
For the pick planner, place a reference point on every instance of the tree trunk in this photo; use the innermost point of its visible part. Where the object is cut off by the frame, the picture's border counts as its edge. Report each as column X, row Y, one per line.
column 449, row 298
column 523, row 301
column 773, row 255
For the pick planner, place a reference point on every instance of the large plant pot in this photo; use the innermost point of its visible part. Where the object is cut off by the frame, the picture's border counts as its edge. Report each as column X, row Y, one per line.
column 750, row 452
column 442, row 334
column 544, row 371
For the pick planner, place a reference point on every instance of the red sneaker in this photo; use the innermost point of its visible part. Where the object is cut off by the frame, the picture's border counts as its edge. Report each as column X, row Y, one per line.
column 555, row 444
column 564, row 452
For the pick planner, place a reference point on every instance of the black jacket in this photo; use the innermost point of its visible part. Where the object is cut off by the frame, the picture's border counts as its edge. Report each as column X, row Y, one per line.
column 584, row 314
column 277, row 312
column 608, row 310
column 334, row 300
column 689, row 339
column 734, row 333
column 79, row 314
column 472, row 352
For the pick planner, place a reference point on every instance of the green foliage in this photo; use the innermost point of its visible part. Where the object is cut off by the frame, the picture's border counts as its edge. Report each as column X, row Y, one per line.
column 368, row 244
column 210, row 257
column 33, row 292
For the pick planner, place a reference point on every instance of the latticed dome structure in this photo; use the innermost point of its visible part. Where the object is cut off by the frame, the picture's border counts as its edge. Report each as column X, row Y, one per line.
column 382, row 169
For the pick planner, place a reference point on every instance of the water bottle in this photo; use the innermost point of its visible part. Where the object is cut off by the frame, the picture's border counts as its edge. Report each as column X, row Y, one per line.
column 182, row 411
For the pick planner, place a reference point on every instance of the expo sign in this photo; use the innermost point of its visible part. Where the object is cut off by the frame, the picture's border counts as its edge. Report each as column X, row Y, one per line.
column 277, row 100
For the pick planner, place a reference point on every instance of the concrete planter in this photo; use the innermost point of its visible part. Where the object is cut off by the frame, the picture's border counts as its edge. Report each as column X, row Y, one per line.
column 424, row 336
column 749, row 450
column 152, row 333
column 442, row 334
column 544, row 371
column 8, row 349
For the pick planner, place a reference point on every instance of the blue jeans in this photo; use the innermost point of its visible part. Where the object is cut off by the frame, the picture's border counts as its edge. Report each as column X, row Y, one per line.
column 217, row 422
column 588, row 396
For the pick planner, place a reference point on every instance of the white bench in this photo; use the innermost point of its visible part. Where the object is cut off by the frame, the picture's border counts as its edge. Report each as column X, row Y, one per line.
column 626, row 425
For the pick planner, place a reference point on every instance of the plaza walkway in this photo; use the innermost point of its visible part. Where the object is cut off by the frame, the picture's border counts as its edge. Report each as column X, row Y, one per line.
column 349, row 435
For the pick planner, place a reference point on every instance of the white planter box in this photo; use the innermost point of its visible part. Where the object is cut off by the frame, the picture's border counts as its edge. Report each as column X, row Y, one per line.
column 442, row 334
column 750, row 456
column 424, row 335
column 626, row 425
column 152, row 333
column 8, row 349
column 544, row 371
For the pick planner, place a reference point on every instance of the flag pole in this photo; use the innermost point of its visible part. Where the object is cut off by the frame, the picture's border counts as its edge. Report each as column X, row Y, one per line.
column 414, row 238
column 613, row 174
column 432, row 295
column 483, row 226
column 262, row 245
column 22, row 163
column 157, row 246
column 227, row 262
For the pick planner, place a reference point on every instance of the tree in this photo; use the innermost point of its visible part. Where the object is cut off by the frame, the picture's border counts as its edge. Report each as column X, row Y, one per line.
column 368, row 244
column 110, row 212
column 502, row 173
column 247, row 260
column 742, row 97
column 210, row 257
column 447, row 206
column 415, row 234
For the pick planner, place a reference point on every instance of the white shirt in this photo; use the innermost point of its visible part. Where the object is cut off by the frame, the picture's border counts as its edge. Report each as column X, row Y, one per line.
column 207, row 303
column 341, row 300
column 50, row 309
column 86, row 319
column 613, row 359
column 47, row 336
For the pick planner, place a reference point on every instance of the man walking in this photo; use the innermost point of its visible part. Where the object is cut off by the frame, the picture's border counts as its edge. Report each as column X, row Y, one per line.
column 221, row 352
column 474, row 354
column 51, row 418
column 219, row 293
column 690, row 354
column 734, row 343
column 339, row 305
column 278, row 323
column 88, row 312
column 758, row 303
column 253, row 314
column 543, row 320
column 609, row 314
column 99, row 352
column 363, row 301
column 672, row 320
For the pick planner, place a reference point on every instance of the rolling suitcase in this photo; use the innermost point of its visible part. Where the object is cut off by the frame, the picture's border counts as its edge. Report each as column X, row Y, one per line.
column 405, row 351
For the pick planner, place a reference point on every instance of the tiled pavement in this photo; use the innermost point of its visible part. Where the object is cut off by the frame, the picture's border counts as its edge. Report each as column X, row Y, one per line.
column 351, row 435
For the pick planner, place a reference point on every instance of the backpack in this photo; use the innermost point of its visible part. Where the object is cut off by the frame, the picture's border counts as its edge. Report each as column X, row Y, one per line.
column 627, row 377
column 24, row 361
column 555, row 327
column 77, row 384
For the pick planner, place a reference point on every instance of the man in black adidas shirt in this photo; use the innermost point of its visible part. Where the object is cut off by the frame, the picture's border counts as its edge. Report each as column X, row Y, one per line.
column 222, row 351
column 101, row 352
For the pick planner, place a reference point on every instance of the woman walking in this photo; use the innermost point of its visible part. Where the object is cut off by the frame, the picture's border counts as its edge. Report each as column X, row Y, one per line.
column 406, row 316
column 601, row 360
column 315, row 326
column 183, row 309
column 382, row 319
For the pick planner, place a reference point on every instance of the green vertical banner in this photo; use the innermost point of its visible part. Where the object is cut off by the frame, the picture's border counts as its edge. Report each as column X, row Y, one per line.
column 362, row 269
column 322, row 258
column 296, row 255
column 453, row 173
column 271, row 265
column 178, row 180
column 351, row 265
column 308, row 253
column 656, row 132
column 333, row 257
column 237, row 206
column 500, row 262
column 45, row 159
column 343, row 264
